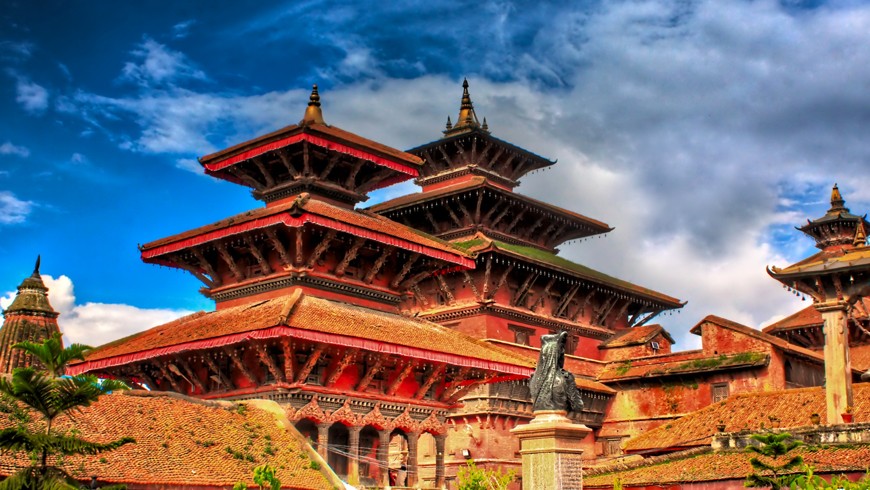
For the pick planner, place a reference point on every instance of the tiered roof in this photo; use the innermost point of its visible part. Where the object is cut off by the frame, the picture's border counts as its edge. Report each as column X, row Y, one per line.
column 29, row 317
column 636, row 336
column 185, row 443
column 305, row 317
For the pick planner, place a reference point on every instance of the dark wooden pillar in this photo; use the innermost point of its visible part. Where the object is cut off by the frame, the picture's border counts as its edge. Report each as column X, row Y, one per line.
column 383, row 454
column 323, row 439
column 353, row 463
column 439, row 460
column 413, row 438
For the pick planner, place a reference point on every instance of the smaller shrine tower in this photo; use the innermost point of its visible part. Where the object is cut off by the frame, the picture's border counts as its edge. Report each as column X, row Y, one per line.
column 837, row 278
column 30, row 317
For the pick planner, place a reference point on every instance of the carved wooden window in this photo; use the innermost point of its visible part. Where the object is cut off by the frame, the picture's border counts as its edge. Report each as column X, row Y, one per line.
column 612, row 447
column 720, row 392
column 571, row 344
column 522, row 335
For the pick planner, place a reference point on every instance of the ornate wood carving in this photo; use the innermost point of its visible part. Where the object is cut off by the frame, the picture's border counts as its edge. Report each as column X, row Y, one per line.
column 516, row 220
column 299, row 245
column 465, row 213
column 372, row 370
column 415, row 279
column 442, row 284
column 524, row 288
column 622, row 309
column 421, row 298
column 347, row 358
column 486, row 273
column 306, row 159
column 435, row 227
column 500, row 216
column 278, row 246
column 287, row 352
column 288, row 164
column 502, row 280
column 329, row 166
column 267, row 176
column 408, row 366
column 349, row 256
column 206, row 266
column 470, row 281
column 446, row 206
column 505, row 165
column 565, row 301
column 229, row 260
column 406, row 268
column 430, row 380
column 446, row 156
column 240, row 364
column 191, row 376
column 350, row 183
column 310, row 363
column 586, row 302
column 161, row 366
column 478, row 206
column 537, row 224
column 142, row 375
column 245, row 177
column 492, row 162
column 376, row 267
column 267, row 360
column 221, row 377
column 255, row 251
column 321, row 247
column 193, row 269
column 604, row 311
column 495, row 207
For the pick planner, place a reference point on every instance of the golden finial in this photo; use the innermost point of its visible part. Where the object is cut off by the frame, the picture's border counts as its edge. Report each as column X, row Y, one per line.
column 313, row 113
column 860, row 235
column 485, row 126
column 467, row 119
column 449, row 125
column 837, row 201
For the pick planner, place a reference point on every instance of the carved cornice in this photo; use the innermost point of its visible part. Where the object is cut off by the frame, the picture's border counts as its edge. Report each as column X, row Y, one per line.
column 303, row 280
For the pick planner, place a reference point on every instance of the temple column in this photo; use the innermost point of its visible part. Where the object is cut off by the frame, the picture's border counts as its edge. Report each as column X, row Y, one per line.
column 383, row 454
column 353, row 464
column 838, row 367
column 323, row 439
column 411, row 466
column 439, row 460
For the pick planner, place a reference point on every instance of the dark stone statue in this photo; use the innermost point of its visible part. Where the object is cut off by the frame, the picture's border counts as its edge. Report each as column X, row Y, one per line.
column 553, row 388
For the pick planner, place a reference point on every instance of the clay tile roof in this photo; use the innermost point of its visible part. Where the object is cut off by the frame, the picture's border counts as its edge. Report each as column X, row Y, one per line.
column 315, row 319
column 826, row 262
column 181, row 442
column 807, row 317
column 481, row 182
column 635, row 336
column 746, row 411
column 482, row 244
column 680, row 363
column 730, row 465
column 592, row 385
column 860, row 357
column 296, row 213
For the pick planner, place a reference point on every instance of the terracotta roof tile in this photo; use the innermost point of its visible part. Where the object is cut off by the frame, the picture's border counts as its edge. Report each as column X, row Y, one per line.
column 635, row 336
column 860, row 357
column 183, row 443
column 672, row 365
column 304, row 313
column 807, row 317
column 729, row 466
column 826, row 262
column 746, row 411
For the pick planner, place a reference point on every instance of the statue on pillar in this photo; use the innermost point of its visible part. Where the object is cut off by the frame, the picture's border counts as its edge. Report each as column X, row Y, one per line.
column 552, row 387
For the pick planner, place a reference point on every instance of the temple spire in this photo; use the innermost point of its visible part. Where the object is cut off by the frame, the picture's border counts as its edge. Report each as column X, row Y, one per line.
column 467, row 119
column 36, row 267
column 313, row 113
column 837, row 202
column 860, row 235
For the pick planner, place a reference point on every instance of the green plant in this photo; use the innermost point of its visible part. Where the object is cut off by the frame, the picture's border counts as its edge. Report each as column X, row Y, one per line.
column 767, row 470
column 314, row 465
column 471, row 477
column 240, row 486
column 45, row 393
column 264, row 476
column 617, row 484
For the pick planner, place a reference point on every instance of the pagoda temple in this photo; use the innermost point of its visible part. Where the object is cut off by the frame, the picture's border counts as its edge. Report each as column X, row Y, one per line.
column 520, row 288
column 30, row 317
column 307, row 292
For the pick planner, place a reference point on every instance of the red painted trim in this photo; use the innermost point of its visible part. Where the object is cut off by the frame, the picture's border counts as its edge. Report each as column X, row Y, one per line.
column 298, row 222
column 301, row 334
column 314, row 140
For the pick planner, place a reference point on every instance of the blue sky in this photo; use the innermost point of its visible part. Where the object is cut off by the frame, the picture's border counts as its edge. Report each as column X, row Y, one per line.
column 702, row 130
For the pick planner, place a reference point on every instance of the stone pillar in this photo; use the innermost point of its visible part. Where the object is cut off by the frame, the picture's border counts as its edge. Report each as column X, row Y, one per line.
column 439, row 460
column 411, row 479
column 353, row 463
column 838, row 367
column 550, row 449
column 383, row 462
column 323, row 439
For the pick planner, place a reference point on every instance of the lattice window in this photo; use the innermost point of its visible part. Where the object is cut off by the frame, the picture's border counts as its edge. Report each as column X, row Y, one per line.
column 720, row 392
column 522, row 335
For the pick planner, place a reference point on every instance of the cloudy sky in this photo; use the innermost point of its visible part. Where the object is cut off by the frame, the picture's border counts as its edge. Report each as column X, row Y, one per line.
column 703, row 131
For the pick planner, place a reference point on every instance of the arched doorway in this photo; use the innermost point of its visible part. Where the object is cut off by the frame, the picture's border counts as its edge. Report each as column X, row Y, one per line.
column 397, row 458
column 338, row 449
column 426, row 460
column 369, row 466
column 308, row 429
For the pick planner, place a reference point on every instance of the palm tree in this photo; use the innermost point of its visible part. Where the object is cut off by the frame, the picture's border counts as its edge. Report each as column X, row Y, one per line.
column 48, row 394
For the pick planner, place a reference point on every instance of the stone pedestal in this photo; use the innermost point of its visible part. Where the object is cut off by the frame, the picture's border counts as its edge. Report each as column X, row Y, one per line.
column 550, row 446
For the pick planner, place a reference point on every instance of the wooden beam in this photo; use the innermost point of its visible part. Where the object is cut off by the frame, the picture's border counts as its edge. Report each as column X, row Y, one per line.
column 329, row 166
column 306, row 159
column 168, row 376
column 193, row 269
column 240, row 365
column 446, row 206
column 229, row 260
column 413, row 280
column 427, row 384
column 289, row 360
column 502, row 280
column 141, row 374
column 222, row 378
column 406, row 268
column 493, row 161
column 279, row 247
column 206, row 266
column 515, row 222
column 240, row 174
column 470, row 281
column 586, row 302
column 622, row 309
column 267, row 176
column 180, row 361
column 442, row 284
column 408, row 366
column 605, row 310
column 321, row 247
column 452, row 387
column 524, row 288
column 372, row 370
column 348, row 357
column 500, row 216
column 486, row 273
column 351, row 254
column 310, row 363
column 350, row 182
column 478, row 206
column 263, row 353
column 486, row 218
column 421, row 298
column 435, row 227
column 288, row 164
column 377, row 265
column 255, row 251
column 505, row 165
column 446, row 156
column 299, row 245
column 649, row 316
column 465, row 213
column 565, row 301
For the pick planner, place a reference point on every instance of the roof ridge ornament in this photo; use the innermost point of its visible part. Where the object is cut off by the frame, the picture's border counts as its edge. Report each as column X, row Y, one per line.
column 36, row 266
column 837, row 202
column 860, row 237
column 313, row 113
column 467, row 119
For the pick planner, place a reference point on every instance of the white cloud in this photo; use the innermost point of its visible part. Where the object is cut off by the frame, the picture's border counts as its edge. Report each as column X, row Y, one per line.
column 13, row 210
column 8, row 148
column 157, row 65
column 32, row 96
column 78, row 158
column 190, row 165
column 182, row 29
column 96, row 323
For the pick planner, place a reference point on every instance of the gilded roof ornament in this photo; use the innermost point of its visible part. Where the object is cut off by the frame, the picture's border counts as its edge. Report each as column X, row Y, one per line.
column 860, row 235
column 467, row 119
column 313, row 113
column 837, row 201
